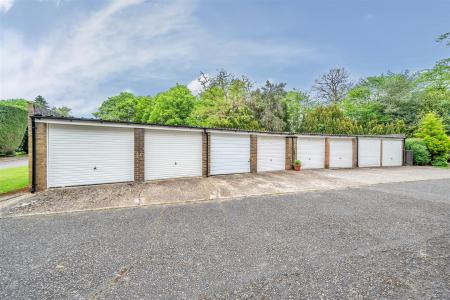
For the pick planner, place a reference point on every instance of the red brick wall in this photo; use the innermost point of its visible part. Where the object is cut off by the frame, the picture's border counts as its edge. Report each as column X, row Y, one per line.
column 139, row 154
column 289, row 153
column 327, row 153
column 253, row 153
column 206, row 153
column 41, row 156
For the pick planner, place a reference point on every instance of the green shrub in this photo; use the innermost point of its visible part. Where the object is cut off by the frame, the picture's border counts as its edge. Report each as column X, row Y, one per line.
column 13, row 123
column 440, row 161
column 432, row 131
column 420, row 152
column 21, row 103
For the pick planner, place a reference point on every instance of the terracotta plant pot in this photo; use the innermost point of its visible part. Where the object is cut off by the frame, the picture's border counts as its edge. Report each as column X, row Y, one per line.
column 298, row 167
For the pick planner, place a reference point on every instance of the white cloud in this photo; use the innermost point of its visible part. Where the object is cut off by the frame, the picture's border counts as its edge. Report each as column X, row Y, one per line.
column 195, row 86
column 128, row 40
column 70, row 66
column 6, row 5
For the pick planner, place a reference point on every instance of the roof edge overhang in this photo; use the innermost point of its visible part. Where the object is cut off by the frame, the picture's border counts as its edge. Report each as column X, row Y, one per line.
column 123, row 124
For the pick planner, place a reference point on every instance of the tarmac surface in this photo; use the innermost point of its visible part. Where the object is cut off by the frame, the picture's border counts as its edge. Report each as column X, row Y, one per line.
column 387, row 240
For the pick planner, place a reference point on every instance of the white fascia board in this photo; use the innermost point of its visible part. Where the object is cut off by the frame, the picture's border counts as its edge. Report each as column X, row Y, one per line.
column 341, row 137
column 231, row 131
column 272, row 134
column 225, row 131
column 120, row 125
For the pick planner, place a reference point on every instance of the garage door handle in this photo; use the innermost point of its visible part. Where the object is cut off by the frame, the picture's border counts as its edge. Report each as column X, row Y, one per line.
column 95, row 167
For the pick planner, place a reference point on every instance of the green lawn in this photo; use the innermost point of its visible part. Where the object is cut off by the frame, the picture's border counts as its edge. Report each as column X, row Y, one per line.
column 12, row 179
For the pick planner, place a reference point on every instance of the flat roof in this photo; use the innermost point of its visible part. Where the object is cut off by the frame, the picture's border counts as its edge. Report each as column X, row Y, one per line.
column 65, row 120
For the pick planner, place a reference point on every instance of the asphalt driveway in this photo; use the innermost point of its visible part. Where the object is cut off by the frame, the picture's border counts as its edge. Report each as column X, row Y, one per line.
column 11, row 162
column 388, row 240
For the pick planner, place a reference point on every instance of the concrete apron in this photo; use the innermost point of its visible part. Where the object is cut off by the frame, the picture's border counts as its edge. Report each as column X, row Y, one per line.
column 242, row 185
column 186, row 190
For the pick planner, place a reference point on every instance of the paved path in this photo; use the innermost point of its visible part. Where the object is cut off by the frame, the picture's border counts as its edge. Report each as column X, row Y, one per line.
column 12, row 162
column 383, row 241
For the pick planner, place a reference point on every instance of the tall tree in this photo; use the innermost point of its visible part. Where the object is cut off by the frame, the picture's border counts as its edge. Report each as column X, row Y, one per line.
column 333, row 86
column 172, row 107
column 41, row 102
column 62, row 111
column 328, row 119
column 269, row 106
column 121, row 107
column 224, row 102
column 392, row 97
column 295, row 102
column 434, row 92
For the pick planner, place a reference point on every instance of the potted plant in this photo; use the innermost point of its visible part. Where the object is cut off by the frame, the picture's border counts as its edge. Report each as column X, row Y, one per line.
column 297, row 165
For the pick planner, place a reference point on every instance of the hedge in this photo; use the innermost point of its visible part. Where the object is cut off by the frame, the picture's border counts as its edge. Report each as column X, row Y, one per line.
column 13, row 123
column 420, row 152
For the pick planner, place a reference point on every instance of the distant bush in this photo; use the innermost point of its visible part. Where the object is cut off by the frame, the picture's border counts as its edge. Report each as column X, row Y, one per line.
column 432, row 131
column 13, row 123
column 440, row 161
column 421, row 154
column 21, row 103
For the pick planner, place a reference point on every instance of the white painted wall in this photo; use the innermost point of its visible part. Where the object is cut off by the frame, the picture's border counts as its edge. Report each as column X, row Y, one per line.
column 81, row 155
column 271, row 153
column 172, row 154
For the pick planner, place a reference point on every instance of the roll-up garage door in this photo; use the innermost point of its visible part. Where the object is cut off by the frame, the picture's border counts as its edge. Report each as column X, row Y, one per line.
column 341, row 153
column 311, row 152
column 369, row 152
column 81, row 155
column 172, row 154
column 271, row 153
column 392, row 153
column 230, row 153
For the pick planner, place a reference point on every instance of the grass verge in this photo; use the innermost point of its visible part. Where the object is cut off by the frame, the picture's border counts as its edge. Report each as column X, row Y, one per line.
column 12, row 179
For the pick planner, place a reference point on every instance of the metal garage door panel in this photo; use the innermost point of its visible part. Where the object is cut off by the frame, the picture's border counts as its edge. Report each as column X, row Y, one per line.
column 392, row 153
column 230, row 153
column 369, row 152
column 311, row 152
column 82, row 155
column 341, row 153
column 172, row 154
column 271, row 153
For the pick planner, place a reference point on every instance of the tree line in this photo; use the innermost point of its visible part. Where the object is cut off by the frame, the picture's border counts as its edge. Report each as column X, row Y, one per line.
column 385, row 104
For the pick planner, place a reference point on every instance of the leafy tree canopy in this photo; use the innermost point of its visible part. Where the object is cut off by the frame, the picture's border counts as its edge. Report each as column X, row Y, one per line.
column 121, row 107
column 172, row 107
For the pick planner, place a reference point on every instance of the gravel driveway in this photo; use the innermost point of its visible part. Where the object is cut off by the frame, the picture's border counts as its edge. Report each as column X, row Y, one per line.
column 387, row 240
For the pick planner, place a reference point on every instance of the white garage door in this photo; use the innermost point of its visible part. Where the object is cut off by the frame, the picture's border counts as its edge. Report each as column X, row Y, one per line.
column 230, row 153
column 311, row 152
column 271, row 152
column 341, row 153
column 81, row 155
column 392, row 153
column 369, row 152
column 171, row 154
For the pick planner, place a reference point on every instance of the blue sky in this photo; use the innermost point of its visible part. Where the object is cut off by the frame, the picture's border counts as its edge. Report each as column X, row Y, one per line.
column 77, row 53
